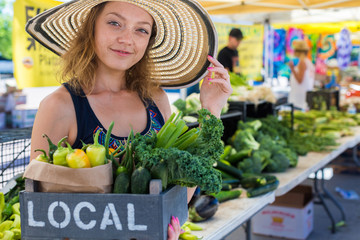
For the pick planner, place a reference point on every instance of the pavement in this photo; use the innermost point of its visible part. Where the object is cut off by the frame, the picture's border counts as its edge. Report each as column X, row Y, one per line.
column 346, row 175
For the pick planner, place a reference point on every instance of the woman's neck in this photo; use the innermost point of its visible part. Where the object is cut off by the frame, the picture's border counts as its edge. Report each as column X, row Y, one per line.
column 108, row 80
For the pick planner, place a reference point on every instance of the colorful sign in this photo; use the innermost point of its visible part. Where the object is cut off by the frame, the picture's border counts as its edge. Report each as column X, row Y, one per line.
column 250, row 48
column 34, row 65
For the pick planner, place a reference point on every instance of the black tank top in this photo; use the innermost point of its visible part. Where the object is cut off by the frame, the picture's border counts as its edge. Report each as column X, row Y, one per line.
column 88, row 124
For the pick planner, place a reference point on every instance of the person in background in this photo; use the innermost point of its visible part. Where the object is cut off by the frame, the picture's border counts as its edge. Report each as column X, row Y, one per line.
column 302, row 75
column 229, row 56
column 109, row 70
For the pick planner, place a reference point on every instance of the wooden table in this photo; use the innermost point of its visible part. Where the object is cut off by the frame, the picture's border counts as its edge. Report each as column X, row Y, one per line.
column 232, row 214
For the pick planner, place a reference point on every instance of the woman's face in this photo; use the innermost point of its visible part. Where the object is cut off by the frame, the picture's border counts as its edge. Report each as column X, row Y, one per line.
column 122, row 33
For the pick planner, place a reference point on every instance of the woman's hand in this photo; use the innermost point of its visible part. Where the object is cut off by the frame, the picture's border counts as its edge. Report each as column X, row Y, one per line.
column 214, row 92
column 174, row 229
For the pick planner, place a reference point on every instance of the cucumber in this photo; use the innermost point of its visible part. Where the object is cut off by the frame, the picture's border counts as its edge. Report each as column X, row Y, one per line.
column 223, row 196
column 140, row 180
column 253, row 192
column 122, row 183
column 226, row 187
column 253, row 181
column 233, row 171
column 235, row 158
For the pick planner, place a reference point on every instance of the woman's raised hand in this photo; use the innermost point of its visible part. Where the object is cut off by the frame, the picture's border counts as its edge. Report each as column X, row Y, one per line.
column 214, row 92
column 174, row 229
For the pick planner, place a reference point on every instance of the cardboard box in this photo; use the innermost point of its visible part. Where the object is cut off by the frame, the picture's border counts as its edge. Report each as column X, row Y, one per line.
column 101, row 216
column 290, row 216
column 23, row 117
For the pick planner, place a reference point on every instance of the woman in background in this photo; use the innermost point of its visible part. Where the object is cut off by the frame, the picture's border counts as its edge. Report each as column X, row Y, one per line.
column 302, row 75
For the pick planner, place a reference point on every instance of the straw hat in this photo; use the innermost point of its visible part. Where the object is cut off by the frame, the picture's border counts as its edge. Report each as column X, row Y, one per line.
column 300, row 45
column 185, row 36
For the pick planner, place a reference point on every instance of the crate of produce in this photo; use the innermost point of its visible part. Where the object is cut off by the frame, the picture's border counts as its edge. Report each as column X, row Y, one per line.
column 317, row 99
column 100, row 216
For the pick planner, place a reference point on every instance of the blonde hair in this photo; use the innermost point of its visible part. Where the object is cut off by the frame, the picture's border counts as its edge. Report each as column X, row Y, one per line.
column 79, row 63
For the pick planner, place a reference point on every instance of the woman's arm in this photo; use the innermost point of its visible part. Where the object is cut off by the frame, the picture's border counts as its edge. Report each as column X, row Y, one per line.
column 299, row 73
column 55, row 118
column 214, row 92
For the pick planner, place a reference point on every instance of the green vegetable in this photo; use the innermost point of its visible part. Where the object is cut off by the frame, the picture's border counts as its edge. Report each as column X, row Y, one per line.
column 52, row 148
column 254, row 192
column 159, row 171
column 188, row 236
column 223, row 196
column 8, row 235
column 128, row 160
column 235, row 158
column 7, row 212
column 243, row 139
column 42, row 157
column 192, row 226
column 140, row 180
column 59, row 157
column 233, row 171
column 122, row 181
column 192, row 166
column 96, row 152
column 226, row 187
column 252, row 180
column 16, row 208
column 2, row 203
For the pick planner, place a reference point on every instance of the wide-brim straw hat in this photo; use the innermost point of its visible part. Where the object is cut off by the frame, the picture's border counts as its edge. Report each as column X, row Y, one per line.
column 185, row 36
column 300, row 45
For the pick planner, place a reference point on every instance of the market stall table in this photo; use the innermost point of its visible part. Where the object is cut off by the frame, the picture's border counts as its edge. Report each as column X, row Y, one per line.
column 312, row 162
column 232, row 214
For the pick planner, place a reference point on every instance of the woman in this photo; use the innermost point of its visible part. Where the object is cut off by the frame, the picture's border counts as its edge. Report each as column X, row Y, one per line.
column 109, row 72
column 302, row 75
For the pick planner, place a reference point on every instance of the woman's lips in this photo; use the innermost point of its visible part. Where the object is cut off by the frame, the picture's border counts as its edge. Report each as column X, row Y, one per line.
column 121, row 52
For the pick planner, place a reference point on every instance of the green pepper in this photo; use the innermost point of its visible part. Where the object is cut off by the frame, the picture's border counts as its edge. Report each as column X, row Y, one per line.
column 16, row 221
column 59, row 157
column 17, row 233
column 16, row 208
column 5, row 225
column 96, row 152
column 2, row 203
column 7, row 212
column 42, row 157
column 52, row 148
column 8, row 235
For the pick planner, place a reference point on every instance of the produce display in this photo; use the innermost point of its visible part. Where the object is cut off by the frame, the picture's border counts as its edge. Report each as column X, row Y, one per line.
column 10, row 212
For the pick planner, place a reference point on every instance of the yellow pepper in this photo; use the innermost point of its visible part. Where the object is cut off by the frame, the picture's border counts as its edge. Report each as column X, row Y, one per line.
column 96, row 152
column 16, row 221
column 77, row 158
column 17, row 233
column 2, row 203
column 59, row 157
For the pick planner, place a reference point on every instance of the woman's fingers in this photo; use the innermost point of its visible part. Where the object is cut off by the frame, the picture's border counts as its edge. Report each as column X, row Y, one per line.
column 174, row 229
column 214, row 61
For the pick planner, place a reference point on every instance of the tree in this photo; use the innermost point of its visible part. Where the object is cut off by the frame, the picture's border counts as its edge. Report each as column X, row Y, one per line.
column 5, row 30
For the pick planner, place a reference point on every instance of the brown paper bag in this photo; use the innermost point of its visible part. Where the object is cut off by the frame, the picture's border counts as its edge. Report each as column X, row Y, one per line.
column 59, row 179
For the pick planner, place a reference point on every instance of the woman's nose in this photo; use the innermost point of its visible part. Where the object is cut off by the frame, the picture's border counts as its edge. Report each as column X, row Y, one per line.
column 125, row 36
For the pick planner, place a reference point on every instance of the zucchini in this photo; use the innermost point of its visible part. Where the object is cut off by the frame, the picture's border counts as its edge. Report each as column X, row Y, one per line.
column 140, row 180
column 226, row 187
column 233, row 171
column 254, row 192
column 235, row 158
column 223, row 196
column 122, row 183
column 253, row 181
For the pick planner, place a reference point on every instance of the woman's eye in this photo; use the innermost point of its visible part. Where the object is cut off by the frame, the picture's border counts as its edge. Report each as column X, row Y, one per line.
column 114, row 23
column 143, row 31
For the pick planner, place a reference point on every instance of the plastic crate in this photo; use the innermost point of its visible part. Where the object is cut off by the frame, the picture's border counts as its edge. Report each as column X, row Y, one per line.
column 14, row 152
column 315, row 99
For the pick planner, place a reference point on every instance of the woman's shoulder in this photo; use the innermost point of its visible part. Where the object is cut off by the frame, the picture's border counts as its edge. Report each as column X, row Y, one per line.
column 57, row 102
column 162, row 102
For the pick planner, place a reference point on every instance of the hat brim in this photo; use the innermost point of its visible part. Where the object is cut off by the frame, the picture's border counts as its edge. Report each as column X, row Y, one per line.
column 185, row 36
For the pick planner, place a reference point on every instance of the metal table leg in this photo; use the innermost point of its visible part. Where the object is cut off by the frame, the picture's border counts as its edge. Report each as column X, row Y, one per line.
column 354, row 153
column 247, row 229
column 324, row 193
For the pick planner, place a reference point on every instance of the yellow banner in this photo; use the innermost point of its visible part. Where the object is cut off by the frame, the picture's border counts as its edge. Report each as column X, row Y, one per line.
column 34, row 65
column 250, row 48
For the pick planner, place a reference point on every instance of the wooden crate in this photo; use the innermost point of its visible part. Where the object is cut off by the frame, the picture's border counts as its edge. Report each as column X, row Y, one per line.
column 100, row 216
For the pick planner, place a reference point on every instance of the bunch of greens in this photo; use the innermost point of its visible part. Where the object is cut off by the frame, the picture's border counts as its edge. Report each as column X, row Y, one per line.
column 180, row 156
